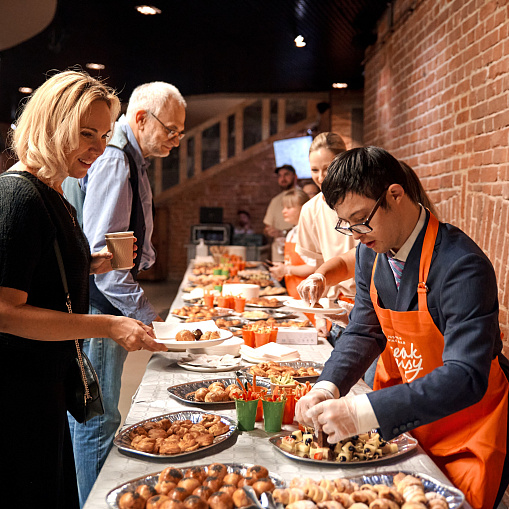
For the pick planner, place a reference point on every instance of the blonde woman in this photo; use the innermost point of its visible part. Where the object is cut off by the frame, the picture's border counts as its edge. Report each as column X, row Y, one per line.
column 62, row 130
column 295, row 267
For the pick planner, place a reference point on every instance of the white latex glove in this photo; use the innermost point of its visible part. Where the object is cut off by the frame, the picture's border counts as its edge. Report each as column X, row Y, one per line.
column 312, row 288
column 310, row 400
column 336, row 417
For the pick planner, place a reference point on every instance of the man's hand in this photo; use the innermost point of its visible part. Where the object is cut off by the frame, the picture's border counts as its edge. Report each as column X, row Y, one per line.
column 312, row 288
column 336, row 417
column 310, row 400
column 273, row 232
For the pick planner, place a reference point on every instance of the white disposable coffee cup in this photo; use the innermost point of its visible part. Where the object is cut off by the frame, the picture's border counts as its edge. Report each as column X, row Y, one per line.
column 121, row 246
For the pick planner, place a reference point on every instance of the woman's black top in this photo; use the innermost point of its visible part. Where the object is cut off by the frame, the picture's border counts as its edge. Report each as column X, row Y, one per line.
column 27, row 257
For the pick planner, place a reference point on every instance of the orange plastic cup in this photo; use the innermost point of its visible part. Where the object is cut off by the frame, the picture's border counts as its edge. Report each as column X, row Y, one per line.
column 259, row 411
column 222, row 302
column 240, row 304
column 208, row 299
column 289, row 411
column 261, row 338
column 273, row 335
column 248, row 337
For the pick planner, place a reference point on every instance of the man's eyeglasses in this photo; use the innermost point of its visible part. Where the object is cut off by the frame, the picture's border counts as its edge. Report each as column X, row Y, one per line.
column 171, row 132
column 361, row 228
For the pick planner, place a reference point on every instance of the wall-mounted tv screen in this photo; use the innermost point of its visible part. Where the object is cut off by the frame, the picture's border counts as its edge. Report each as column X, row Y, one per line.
column 294, row 151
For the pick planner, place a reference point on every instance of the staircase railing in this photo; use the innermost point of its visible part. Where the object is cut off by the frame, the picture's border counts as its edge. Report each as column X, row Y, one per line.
column 229, row 135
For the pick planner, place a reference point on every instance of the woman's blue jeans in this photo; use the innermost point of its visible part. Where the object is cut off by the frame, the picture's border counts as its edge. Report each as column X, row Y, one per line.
column 93, row 441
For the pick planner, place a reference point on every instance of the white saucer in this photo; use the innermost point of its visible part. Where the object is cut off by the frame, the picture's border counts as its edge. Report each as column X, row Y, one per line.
column 301, row 306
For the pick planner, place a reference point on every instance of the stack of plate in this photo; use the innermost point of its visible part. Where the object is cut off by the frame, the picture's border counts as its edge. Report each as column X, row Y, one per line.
column 269, row 352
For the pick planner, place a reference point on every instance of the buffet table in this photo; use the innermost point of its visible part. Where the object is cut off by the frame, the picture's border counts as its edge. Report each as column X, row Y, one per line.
column 253, row 447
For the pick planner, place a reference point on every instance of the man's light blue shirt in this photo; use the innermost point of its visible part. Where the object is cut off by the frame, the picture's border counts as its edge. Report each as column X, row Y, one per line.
column 107, row 208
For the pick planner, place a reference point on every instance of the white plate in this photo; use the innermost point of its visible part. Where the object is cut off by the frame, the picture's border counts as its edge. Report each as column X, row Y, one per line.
column 300, row 305
column 180, row 346
column 210, row 369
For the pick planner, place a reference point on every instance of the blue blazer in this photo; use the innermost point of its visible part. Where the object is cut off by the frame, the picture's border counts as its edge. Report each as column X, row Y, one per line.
column 463, row 302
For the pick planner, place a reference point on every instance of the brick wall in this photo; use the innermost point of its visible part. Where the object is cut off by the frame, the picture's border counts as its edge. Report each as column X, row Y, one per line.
column 436, row 96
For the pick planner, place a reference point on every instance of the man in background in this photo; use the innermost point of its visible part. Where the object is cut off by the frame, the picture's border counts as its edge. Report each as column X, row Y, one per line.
column 116, row 196
column 276, row 227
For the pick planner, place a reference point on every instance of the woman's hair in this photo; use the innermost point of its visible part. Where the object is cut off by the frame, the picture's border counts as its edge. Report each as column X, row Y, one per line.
column 152, row 97
column 368, row 171
column 329, row 141
column 295, row 198
column 49, row 126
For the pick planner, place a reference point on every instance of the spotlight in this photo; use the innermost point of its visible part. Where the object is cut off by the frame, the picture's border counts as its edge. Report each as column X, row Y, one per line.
column 339, row 85
column 148, row 10
column 95, row 67
column 25, row 90
column 299, row 41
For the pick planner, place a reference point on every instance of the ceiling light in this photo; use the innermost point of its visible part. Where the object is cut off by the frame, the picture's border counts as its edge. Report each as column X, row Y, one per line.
column 299, row 41
column 339, row 85
column 96, row 67
column 13, row 126
column 148, row 9
column 25, row 90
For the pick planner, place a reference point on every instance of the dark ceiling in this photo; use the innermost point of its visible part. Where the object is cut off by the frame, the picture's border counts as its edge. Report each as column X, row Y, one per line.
column 201, row 46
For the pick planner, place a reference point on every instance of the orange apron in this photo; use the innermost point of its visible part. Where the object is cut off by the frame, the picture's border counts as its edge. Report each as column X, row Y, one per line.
column 292, row 258
column 469, row 446
column 291, row 281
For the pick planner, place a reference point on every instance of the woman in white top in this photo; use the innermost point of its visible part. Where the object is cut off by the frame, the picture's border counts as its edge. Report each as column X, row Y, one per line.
column 316, row 237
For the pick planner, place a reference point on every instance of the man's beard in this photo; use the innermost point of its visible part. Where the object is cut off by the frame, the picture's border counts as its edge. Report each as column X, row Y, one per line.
column 287, row 187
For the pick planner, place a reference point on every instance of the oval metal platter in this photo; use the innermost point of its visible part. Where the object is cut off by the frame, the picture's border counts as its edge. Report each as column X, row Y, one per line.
column 185, row 392
column 123, row 442
column 405, row 444
column 292, row 364
column 151, row 480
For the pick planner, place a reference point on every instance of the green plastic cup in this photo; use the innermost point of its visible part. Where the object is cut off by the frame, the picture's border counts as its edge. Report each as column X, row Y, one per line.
column 246, row 413
column 273, row 415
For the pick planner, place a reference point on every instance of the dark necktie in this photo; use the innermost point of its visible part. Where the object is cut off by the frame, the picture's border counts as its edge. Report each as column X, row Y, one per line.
column 397, row 268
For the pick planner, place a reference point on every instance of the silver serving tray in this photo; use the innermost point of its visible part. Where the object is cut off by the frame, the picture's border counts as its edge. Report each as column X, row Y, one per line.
column 123, row 442
column 277, row 315
column 230, row 318
column 278, row 305
column 222, row 313
column 151, row 480
column 180, row 392
column 454, row 496
column 405, row 443
column 293, row 364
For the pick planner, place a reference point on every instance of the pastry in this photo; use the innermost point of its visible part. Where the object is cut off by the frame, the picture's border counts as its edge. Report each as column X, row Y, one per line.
column 131, row 501
column 195, row 502
column 184, row 335
column 220, row 500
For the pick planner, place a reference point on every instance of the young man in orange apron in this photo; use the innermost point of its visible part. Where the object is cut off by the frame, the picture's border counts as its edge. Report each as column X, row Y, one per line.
column 427, row 299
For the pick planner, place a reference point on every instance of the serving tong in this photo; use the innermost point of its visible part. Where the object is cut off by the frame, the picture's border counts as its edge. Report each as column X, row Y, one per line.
column 266, row 499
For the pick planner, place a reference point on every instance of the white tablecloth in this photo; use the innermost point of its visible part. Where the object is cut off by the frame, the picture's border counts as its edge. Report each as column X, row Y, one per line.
column 152, row 399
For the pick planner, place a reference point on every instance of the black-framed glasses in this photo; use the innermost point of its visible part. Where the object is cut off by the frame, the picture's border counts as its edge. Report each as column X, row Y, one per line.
column 171, row 132
column 361, row 228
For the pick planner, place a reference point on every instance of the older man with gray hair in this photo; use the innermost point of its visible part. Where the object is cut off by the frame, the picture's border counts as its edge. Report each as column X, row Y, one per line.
column 116, row 196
